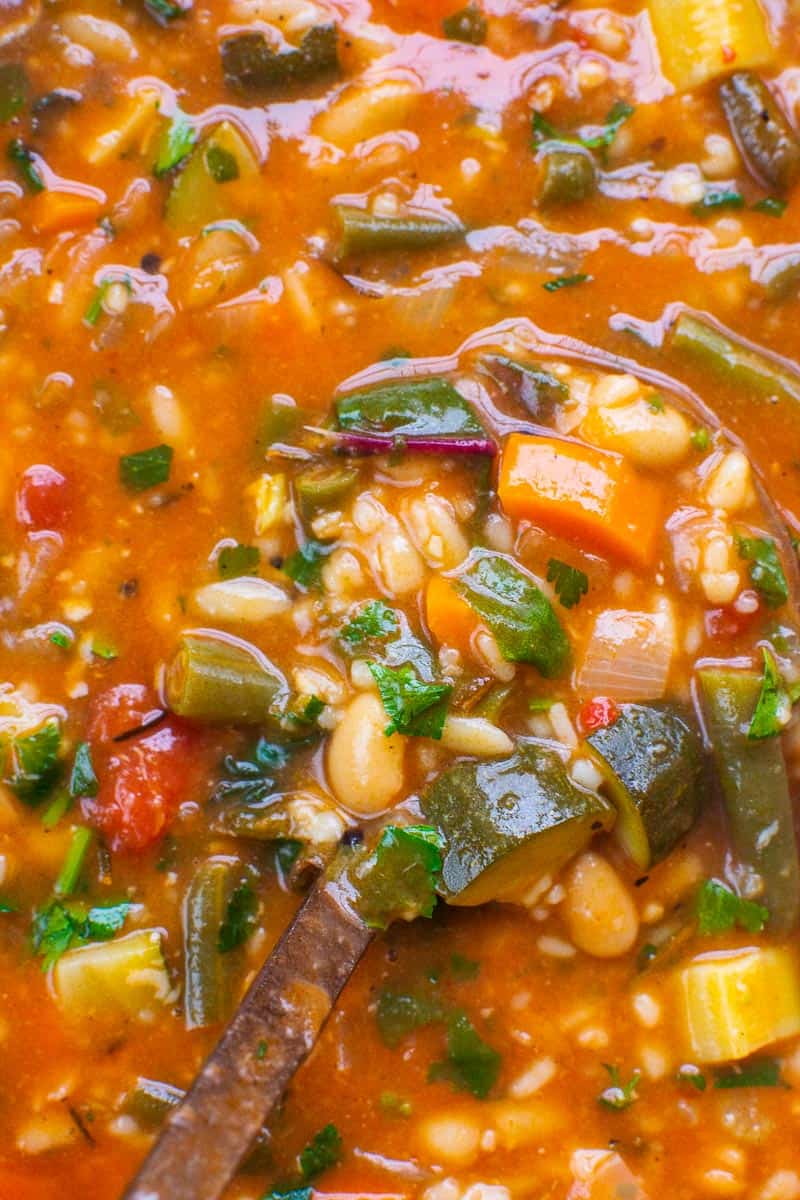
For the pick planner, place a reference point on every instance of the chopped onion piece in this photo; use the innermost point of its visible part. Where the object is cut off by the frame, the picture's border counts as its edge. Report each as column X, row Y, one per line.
column 628, row 656
column 245, row 599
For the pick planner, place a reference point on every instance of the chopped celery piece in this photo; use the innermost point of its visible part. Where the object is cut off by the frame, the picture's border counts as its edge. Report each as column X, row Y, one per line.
column 698, row 39
column 119, row 979
column 734, row 1004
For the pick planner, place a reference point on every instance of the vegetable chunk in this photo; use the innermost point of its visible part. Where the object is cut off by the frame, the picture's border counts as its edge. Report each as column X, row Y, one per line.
column 581, row 493
column 698, row 39
column 118, row 979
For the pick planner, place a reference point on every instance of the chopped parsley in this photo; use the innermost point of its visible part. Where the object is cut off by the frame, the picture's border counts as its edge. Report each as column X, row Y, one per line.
column 8, row 906
column 395, row 1105
column 261, row 1050
column 655, row 403
column 240, row 918
column 397, row 880
column 146, row 468
column 375, row 620
column 471, row 1065
column 774, row 705
column 322, row 1152
column 222, row 165
column 238, row 560
column 719, row 909
column 570, row 583
column 716, row 200
column 250, row 781
column 175, row 143
column 400, row 1013
column 27, row 163
column 463, row 968
column 32, row 764
column 619, row 1095
column 565, row 281
column 82, row 780
column 95, row 307
column 61, row 924
column 59, row 637
column 771, row 206
column 305, row 565
column 758, row 1072
column 766, row 570
column 616, row 117
column 414, row 707
column 700, row 439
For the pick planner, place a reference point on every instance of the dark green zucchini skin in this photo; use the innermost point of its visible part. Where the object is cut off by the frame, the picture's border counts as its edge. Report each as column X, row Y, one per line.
column 507, row 823
column 652, row 756
column 755, row 790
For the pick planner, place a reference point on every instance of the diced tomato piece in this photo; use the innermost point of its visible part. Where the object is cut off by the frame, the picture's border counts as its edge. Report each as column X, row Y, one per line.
column 732, row 620
column 43, row 498
column 597, row 714
column 144, row 780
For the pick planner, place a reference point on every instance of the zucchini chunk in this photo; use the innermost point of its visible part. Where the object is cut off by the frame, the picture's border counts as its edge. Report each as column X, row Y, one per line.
column 120, row 979
column 735, row 1004
column 755, row 790
column 691, row 34
column 506, row 824
column 652, row 760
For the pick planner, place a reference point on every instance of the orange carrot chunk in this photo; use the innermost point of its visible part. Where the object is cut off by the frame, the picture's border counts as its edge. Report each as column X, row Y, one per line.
column 53, row 211
column 450, row 619
column 581, row 493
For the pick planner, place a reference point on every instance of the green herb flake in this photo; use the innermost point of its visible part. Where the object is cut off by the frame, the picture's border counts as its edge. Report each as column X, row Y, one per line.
column 304, row 1193
column 82, row 780
column 565, row 281
column 716, row 200
column 32, row 764
column 8, row 906
column 27, row 163
column 618, row 114
column 700, row 439
column 104, row 650
column 645, row 955
column 60, row 925
column 375, row 620
column 766, row 570
column 261, row 1050
column 322, row 1152
column 305, row 565
column 757, row 1072
column 619, row 1095
column 95, row 308
column 394, row 1105
column 463, row 968
column 570, row 584
column 145, row 469
column 240, row 918
column 655, row 403
column 400, row 1013
column 175, row 143
column 163, row 11
column 771, row 206
column 397, row 880
column 471, row 1065
column 62, row 639
column 774, row 707
column 467, row 25
column 415, row 708
column 692, row 1075
column 222, row 165
column 718, row 909
column 237, row 560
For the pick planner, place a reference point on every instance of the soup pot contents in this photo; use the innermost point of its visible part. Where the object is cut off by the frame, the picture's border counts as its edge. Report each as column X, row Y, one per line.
column 400, row 486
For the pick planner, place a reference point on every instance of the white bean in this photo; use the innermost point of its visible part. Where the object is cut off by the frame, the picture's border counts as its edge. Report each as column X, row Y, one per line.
column 598, row 908
column 365, row 767
column 452, row 1138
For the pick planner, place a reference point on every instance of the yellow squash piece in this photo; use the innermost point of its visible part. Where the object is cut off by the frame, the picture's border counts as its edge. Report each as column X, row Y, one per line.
column 123, row 978
column 737, row 1002
column 700, row 39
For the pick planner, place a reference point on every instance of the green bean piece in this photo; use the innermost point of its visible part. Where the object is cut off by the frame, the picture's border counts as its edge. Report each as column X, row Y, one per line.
column 755, row 790
column 207, row 996
column 740, row 364
column 567, row 175
column 251, row 64
column 214, row 677
column 766, row 140
column 364, row 232
column 150, row 1102
column 323, row 486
